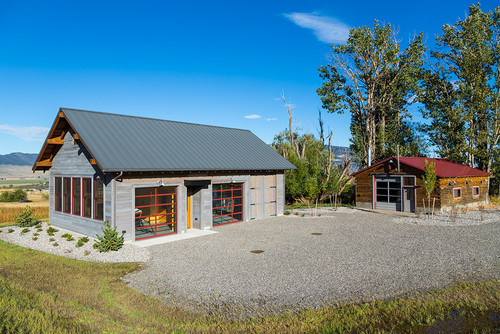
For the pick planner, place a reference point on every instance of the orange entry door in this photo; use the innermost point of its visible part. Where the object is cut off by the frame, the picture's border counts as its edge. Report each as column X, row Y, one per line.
column 188, row 211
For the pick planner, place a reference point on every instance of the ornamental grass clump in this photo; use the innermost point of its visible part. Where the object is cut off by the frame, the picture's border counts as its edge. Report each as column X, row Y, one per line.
column 25, row 218
column 110, row 240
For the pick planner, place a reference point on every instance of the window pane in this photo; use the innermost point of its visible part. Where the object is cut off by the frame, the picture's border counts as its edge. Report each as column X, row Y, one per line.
column 77, row 193
column 381, row 184
column 227, row 203
column 382, row 198
column 409, row 181
column 58, row 194
column 382, row 191
column 87, row 197
column 395, row 192
column 394, row 185
column 67, row 194
column 393, row 199
column 98, row 199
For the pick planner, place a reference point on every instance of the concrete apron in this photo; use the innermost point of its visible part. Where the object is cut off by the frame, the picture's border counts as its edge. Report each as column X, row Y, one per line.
column 191, row 233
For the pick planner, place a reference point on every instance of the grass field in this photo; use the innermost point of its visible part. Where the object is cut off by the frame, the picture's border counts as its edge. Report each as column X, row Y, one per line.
column 48, row 294
column 9, row 210
column 22, row 182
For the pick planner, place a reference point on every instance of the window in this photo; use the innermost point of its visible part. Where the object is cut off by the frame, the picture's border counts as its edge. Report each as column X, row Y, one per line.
column 77, row 196
column 67, row 195
column 87, row 197
column 227, row 203
column 98, row 199
column 57, row 194
column 408, row 181
column 475, row 191
column 457, row 193
column 155, row 212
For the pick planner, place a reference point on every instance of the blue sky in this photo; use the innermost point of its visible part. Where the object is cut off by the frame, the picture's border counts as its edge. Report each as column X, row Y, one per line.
column 212, row 62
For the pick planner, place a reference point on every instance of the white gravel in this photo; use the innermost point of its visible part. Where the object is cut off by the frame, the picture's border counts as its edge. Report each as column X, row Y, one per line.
column 322, row 211
column 357, row 256
column 462, row 218
column 128, row 253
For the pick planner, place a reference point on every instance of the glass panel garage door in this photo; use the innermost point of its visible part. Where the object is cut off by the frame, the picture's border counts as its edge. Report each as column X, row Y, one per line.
column 388, row 193
column 155, row 212
column 227, row 203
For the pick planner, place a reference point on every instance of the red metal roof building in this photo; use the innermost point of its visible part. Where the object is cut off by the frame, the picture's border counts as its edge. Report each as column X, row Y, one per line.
column 385, row 186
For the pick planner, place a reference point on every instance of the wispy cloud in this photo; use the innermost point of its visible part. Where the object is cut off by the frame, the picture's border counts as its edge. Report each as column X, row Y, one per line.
column 326, row 29
column 252, row 116
column 271, row 119
column 28, row 133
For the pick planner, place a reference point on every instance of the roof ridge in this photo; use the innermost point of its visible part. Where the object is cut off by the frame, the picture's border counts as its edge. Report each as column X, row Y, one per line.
column 150, row 118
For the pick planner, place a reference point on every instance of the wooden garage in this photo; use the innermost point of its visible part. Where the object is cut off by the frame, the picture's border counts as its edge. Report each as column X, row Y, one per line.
column 396, row 185
column 152, row 177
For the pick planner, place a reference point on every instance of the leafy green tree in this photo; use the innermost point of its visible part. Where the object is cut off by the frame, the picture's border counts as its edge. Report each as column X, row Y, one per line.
column 429, row 180
column 372, row 77
column 110, row 240
column 17, row 195
column 461, row 91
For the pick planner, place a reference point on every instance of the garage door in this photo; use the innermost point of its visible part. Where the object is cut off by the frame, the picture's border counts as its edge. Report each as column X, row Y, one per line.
column 227, row 203
column 262, row 196
column 388, row 193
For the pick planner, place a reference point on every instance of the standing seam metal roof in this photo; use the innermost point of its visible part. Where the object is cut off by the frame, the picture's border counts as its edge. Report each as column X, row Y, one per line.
column 129, row 143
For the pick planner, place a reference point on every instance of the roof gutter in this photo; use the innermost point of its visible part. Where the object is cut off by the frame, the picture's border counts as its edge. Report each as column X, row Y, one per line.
column 117, row 176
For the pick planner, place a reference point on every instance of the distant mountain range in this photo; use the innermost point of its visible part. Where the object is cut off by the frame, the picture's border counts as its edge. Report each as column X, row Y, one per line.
column 18, row 159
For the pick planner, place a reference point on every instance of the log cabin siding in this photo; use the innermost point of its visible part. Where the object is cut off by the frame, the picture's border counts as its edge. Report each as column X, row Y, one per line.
column 441, row 197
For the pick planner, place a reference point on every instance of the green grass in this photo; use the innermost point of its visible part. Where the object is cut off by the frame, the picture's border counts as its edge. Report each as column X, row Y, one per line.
column 49, row 294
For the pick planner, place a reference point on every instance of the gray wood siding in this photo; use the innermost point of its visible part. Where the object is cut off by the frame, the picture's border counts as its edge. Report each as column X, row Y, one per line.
column 72, row 161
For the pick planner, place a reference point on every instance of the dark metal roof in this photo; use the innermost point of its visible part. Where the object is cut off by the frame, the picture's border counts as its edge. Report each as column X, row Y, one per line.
column 132, row 144
column 444, row 167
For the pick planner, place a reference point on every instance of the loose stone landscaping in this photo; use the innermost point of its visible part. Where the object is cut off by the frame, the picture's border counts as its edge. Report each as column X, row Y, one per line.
column 39, row 239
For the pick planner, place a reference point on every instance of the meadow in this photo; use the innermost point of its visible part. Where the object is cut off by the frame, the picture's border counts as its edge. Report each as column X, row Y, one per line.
column 36, row 202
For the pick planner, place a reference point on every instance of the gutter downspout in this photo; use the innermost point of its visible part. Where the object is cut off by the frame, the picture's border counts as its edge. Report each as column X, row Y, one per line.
column 113, row 199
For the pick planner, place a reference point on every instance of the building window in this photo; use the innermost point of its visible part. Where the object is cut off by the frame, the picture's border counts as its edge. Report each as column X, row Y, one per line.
column 155, row 212
column 58, row 194
column 77, row 196
column 87, row 197
column 67, row 194
column 227, row 203
column 475, row 191
column 98, row 199
column 457, row 193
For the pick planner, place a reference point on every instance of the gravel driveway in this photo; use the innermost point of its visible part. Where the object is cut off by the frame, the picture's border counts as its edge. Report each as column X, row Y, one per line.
column 357, row 257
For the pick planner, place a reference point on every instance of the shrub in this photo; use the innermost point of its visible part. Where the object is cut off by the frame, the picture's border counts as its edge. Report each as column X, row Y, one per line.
column 286, row 213
column 82, row 241
column 110, row 240
column 10, row 230
column 45, row 196
column 35, row 238
column 17, row 195
column 52, row 239
column 55, row 244
column 25, row 218
column 25, row 230
column 51, row 231
column 68, row 237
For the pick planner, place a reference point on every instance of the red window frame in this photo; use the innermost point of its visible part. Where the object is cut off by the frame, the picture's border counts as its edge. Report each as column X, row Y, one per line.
column 98, row 201
column 86, row 197
column 77, row 197
column 221, row 207
column 457, row 195
column 66, row 194
column 474, row 191
column 173, row 214
column 58, row 194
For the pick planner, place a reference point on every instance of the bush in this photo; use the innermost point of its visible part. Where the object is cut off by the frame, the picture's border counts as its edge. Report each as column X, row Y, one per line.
column 110, row 240
column 51, row 231
column 286, row 213
column 25, row 218
column 17, row 195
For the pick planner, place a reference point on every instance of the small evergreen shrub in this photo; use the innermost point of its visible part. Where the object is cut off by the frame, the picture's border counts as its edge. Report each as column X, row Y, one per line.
column 82, row 241
column 52, row 239
column 286, row 213
column 25, row 230
column 10, row 230
column 55, row 244
column 35, row 238
column 85, row 253
column 36, row 234
column 25, row 218
column 51, row 231
column 110, row 240
column 68, row 237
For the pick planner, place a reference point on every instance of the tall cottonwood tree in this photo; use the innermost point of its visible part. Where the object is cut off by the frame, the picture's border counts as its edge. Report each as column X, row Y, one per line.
column 376, row 80
column 461, row 91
